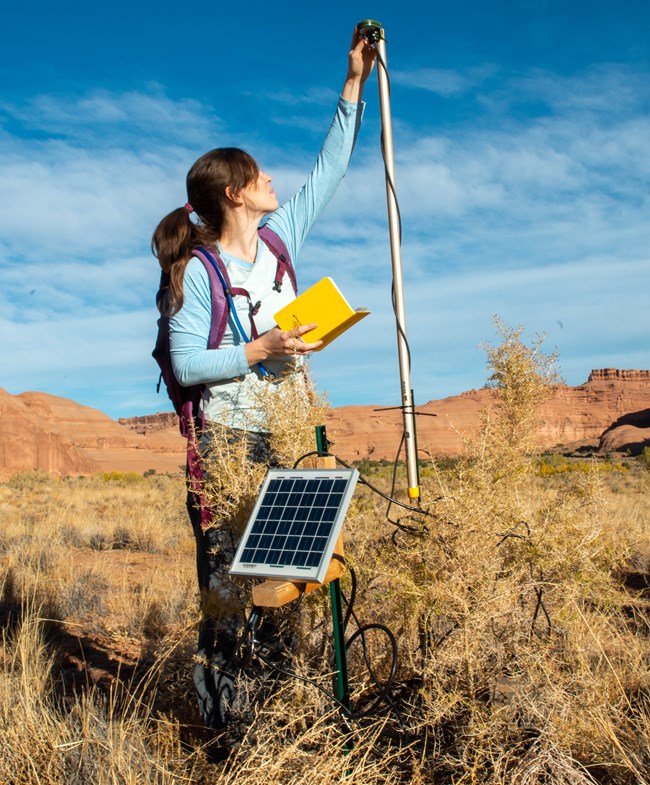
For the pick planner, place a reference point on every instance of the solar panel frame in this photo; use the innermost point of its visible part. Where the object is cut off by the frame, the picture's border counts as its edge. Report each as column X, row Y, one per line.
column 295, row 523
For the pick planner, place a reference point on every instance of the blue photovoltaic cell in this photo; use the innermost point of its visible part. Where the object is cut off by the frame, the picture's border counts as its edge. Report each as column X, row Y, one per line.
column 295, row 522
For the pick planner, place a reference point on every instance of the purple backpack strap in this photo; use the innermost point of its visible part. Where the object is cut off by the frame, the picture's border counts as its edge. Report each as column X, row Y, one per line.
column 218, row 297
column 278, row 248
column 221, row 294
column 195, row 478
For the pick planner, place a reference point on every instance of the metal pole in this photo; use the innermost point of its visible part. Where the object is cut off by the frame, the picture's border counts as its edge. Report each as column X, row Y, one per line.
column 375, row 34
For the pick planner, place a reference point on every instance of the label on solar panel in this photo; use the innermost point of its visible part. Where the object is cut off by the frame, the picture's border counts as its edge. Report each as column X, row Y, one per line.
column 295, row 523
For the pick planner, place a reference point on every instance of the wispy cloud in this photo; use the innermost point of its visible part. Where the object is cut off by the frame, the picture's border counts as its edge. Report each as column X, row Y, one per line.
column 538, row 216
column 542, row 220
column 607, row 89
column 318, row 96
column 444, row 82
column 557, row 184
column 108, row 119
column 82, row 176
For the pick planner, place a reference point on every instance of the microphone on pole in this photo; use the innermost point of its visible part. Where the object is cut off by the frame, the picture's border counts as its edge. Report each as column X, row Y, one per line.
column 373, row 32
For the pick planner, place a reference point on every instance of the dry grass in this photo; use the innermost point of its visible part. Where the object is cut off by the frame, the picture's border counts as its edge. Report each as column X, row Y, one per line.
column 520, row 600
column 89, row 740
column 97, row 550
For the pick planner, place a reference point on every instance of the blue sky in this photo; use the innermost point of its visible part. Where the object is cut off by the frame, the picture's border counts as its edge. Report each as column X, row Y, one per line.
column 521, row 143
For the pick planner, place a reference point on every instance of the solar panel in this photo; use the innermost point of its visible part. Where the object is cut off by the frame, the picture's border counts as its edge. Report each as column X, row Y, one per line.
column 295, row 523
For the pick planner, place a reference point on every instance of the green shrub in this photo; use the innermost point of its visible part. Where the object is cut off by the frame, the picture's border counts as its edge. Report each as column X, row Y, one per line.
column 121, row 478
column 558, row 464
column 24, row 481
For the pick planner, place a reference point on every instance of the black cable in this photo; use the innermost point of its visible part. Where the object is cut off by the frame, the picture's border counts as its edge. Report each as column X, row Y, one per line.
column 353, row 595
column 401, row 329
column 252, row 626
column 399, row 526
column 362, row 629
column 254, row 622
column 345, row 710
column 381, row 62
column 384, row 689
column 402, row 332
column 540, row 606
column 372, row 487
column 539, row 591
column 391, row 185
column 394, row 477
column 349, row 714
column 306, row 680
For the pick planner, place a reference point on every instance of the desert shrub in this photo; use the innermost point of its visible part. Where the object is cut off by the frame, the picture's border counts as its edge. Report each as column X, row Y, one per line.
column 288, row 417
column 51, row 531
column 82, row 595
column 25, row 481
column 121, row 478
column 561, row 465
column 291, row 416
column 518, row 597
column 152, row 608
column 133, row 537
column 98, row 541
column 506, row 608
column 122, row 538
column 71, row 536
column 644, row 458
column 523, row 377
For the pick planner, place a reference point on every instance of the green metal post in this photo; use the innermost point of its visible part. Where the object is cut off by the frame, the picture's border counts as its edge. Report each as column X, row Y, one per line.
column 322, row 445
column 340, row 654
column 342, row 684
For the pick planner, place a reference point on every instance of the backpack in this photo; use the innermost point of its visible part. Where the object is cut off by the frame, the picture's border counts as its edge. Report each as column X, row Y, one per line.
column 186, row 399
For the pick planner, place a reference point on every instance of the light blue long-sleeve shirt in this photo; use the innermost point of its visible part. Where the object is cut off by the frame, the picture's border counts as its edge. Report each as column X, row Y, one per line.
column 231, row 385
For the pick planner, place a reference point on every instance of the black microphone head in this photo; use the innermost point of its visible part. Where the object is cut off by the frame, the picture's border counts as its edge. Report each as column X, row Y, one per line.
column 370, row 29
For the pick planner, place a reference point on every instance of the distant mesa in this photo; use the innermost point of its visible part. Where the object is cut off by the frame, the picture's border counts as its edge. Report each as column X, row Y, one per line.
column 614, row 374
column 572, row 416
column 150, row 423
column 46, row 433
column 610, row 411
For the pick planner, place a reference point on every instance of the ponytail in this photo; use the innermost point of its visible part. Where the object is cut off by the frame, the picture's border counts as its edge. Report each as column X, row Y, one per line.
column 176, row 236
column 173, row 241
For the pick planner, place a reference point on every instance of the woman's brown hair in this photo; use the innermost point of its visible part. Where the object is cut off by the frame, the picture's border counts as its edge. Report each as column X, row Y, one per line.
column 177, row 235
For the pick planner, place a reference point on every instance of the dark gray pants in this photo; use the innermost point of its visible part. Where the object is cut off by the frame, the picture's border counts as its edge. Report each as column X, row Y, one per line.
column 223, row 600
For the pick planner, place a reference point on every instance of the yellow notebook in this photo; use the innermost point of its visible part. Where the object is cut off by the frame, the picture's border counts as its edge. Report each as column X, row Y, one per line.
column 324, row 305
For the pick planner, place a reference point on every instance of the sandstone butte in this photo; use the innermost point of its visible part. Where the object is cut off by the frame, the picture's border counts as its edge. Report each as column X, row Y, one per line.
column 42, row 432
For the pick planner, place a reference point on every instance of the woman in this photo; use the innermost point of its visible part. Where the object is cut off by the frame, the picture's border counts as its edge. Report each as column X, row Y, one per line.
column 230, row 196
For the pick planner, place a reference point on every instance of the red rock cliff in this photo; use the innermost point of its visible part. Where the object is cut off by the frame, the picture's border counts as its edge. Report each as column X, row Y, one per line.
column 53, row 434
column 572, row 414
column 42, row 432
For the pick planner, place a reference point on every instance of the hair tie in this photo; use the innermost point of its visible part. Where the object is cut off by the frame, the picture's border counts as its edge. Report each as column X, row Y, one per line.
column 189, row 207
